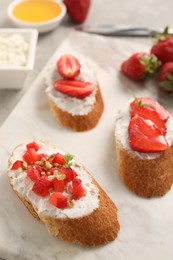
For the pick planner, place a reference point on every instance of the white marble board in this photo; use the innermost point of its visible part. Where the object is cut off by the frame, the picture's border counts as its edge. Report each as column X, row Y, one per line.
column 146, row 224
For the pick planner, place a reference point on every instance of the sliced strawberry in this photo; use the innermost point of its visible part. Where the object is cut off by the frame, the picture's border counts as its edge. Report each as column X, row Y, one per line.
column 58, row 185
column 33, row 145
column 151, row 114
column 59, row 158
column 78, row 190
column 16, row 165
column 58, row 200
column 31, row 156
column 145, row 136
column 69, row 172
column 74, row 88
column 34, row 172
column 41, row 186
column 138, row 102
column 68, row 66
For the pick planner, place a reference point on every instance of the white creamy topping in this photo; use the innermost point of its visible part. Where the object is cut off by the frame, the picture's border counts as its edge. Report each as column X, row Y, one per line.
column 121, row 133
column 74, row 106
column 13, row 51
column 23, row 185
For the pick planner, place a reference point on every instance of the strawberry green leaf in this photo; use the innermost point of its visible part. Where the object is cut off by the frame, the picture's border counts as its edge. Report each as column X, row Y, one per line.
column 166, row 85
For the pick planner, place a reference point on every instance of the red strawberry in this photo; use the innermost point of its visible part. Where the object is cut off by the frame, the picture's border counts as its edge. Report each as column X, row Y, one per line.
column 68, row 66
column 78, row 190
column 138, row 102
column 31, row 156
column 69, row 172
column 58, row 200
column 139, row 65
column 41, row 186
column 166, row 77
column 59, row 158
column 145, row 136
column 151, row 114
column 58, row 185
column 33, row 145
column 16, row 165
column 74, row 88
column 163, row 49
column 78, row 9
column 34, row 172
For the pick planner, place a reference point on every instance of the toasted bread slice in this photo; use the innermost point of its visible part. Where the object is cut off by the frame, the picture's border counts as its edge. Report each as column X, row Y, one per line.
column 90, row 220
column 75, row 113
column 146, row 174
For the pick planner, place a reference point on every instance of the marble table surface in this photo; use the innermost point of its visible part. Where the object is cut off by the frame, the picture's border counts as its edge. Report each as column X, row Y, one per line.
column 146, row 225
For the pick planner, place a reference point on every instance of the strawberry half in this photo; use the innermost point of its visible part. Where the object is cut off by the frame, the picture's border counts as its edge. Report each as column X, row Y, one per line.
column 151, row 114
column 139, row 65
column 145, row 136
column 74, row 88
column 148, row 102
column 68, row 66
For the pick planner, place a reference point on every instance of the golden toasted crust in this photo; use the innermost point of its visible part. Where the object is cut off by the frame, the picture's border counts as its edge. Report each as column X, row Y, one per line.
column 79, row 122
column 97, row 228
column 145, row 177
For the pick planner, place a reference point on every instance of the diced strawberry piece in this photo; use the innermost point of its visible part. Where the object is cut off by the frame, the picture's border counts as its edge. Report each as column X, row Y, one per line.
column 33, row 145
column 145, row 136
column 16, row 165
column 69, row 172
column 74, row 88
column 34, row 172
column 41, row 186
column 151, row 114
column 138, row 102
column 78, row 190
column 58, row 185
column 58, row 200
column 59, row 158
column 31, row 156
column 68, row 66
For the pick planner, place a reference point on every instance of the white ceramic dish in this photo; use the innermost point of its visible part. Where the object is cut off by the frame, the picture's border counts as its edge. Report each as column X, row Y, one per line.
column 42, row 27
column 14, row 77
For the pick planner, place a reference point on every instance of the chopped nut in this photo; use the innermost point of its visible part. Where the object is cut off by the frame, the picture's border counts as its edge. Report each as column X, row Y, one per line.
column 70, row 203
column 51, row 177
column 43, row 173
column 48, row 165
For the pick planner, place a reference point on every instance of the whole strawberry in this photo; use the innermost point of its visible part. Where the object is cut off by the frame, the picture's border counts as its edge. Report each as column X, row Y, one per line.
column 139, row 65
column 166, row 77
column 78, row 9
column 163, row 49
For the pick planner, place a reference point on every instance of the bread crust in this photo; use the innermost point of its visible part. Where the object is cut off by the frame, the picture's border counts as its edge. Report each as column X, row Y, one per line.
column 145, row 177
column 79, row 122
column 97, row 228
